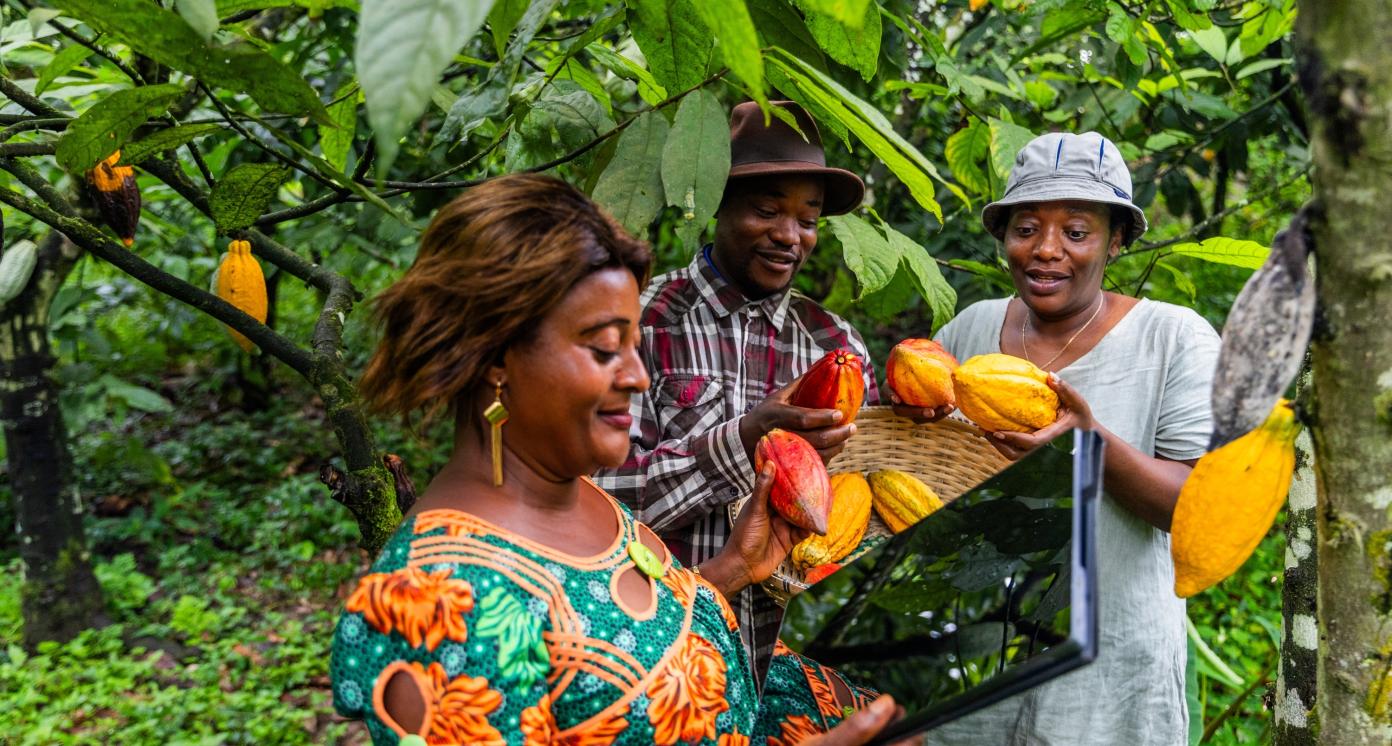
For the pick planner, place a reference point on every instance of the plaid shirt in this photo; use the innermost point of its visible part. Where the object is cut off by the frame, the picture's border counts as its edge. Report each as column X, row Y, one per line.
column 713, row 355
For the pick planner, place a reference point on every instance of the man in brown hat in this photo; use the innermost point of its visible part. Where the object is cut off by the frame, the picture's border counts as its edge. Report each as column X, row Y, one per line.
column 724, row 339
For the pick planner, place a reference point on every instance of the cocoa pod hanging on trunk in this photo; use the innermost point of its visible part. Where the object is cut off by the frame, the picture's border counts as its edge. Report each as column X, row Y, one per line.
column 117, row 196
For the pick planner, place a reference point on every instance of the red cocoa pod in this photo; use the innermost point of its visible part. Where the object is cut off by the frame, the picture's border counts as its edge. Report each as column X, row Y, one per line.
column 836, row 381
column 801, row 490
column 820, row 572
column 116, row 195
column 919, row 372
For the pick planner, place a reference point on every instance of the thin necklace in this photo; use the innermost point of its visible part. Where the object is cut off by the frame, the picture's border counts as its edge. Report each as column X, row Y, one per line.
column 1025, row 348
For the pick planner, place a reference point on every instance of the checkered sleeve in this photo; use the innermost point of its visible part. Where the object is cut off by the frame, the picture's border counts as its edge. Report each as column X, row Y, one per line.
column 670, row 484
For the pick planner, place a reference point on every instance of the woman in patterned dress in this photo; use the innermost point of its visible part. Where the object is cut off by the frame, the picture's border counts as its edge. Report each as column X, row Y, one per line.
column 533, row 609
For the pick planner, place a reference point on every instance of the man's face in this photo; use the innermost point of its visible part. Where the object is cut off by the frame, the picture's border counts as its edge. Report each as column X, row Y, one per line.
column 765, row 229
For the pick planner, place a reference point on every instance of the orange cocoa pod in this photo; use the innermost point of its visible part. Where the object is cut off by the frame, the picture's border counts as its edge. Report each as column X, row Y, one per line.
column 116, row 195
column 837, row 381
column 1003, row 392
column 820, row 572
column 801, row 490
column 919, row 372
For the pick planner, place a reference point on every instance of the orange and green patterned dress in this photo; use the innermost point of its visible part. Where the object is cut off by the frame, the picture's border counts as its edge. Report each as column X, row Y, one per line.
column 515, row 643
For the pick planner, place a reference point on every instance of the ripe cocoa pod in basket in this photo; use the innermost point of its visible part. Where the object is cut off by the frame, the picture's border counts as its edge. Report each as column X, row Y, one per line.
column 902, row 499
column 850, row 513
column 919, row 372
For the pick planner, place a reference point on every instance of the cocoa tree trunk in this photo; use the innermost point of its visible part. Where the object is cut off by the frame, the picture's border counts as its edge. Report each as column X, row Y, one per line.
column 1345, row 67
column 61, row 596
column 1296, row 685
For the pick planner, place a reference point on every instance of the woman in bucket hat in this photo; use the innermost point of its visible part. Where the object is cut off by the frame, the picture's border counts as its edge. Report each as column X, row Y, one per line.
column 1139, row 372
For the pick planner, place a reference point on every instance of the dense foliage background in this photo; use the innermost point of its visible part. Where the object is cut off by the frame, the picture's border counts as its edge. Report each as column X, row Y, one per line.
column 221, row 558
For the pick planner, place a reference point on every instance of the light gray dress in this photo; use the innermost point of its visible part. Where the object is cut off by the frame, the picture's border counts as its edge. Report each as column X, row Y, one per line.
column 1148, row 381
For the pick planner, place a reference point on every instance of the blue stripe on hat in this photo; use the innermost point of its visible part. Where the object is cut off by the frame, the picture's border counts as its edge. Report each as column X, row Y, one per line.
column 1058, row 154
column 1101, row 149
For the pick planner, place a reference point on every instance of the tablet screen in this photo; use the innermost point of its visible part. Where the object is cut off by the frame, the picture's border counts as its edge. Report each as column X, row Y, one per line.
column 950, row 612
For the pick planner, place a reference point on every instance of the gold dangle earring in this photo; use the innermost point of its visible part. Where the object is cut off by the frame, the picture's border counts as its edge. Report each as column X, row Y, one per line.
column 497, row 414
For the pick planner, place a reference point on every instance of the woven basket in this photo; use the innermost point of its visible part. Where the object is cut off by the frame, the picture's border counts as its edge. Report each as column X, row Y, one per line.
column 950, row 456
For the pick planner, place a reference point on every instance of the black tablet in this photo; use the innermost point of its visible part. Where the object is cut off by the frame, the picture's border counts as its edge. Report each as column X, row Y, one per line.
column 990, row 596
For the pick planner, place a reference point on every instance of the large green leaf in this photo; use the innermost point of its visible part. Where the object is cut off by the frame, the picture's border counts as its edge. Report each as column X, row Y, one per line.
column 337, row 141
column 489, row 98
column 695, row 162
column 780, row 26
column 965, row 150
column 868, row 125
column 108, row 125
column 849, row 12
column 739, row 43
column 402, row 47
column 1222, row 250
column 855, row 46
column 673, row 39
column 166, row 139
column 648, row 88
column 244, row 193
column 563, row 118
column 867, row 253
column 61, row 63
column 928, row 279
column 631, row 186
column 164, row 37
column 201, row 15
column 1007, row 138
column 503, row 19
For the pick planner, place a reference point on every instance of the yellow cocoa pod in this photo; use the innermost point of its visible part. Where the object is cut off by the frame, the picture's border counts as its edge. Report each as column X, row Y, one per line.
column 901, row 499
column 1229, row 500
column 1003, row 392
column 239, row 281
column 850, row 513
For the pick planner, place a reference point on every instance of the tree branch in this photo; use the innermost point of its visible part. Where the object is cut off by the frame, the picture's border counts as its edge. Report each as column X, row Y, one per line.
column 92, row 45
column 91, row 238
column 27, row 100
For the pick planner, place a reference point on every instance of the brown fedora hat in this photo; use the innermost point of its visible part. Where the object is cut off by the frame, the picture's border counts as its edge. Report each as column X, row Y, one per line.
column 776, row 149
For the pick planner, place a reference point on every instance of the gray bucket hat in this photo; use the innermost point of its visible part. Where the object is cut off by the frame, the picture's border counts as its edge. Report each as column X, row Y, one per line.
column 1063, row 166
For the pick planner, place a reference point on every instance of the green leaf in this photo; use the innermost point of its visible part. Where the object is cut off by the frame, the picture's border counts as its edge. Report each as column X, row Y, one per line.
column 503, row 19
column 243, row 194
column 65, row 60
column 201, row 15
column 1209, row 662
column 695, row 161
column 928, row 279
column 849, row 12
column 166, row 139
column 989, row 272
column 868, row 125
column 489, row 98
column 1212, row 41
column 522, row 654
column 867, row 253
column 965, row 150
column 562, row 119
column 337, row 141
column 674, row 40
column 1186, row 18
column 164, row 37
column 780, row 26
column 1261, row 66
column 136, row 397
column 734, row 30
column 402, row 47
column 648, row 88
column 1223, row 250
column 857, row 47
column 1006, row 141
column 631, row 186
column 108, row 125
column 1181, row 280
